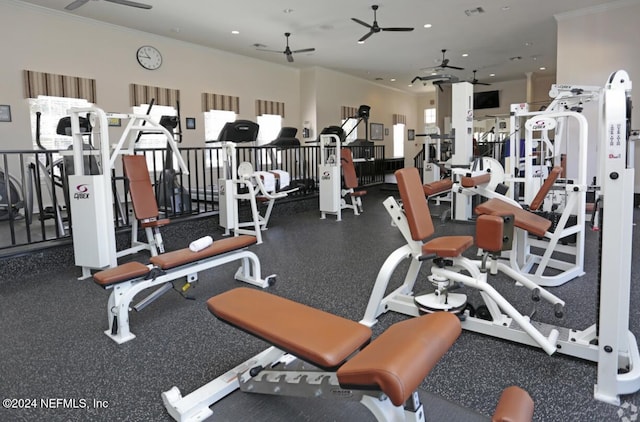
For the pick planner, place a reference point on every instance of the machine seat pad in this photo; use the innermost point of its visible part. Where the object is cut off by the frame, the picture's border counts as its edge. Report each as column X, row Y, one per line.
column 185, row 256
column 515, row 405
column 154, row 223
column 473, row 181
column 358, row 193
column 124, row 272
column 437, row 187
column 399, row 359
column 315, row 336
column 447, row 246
column 523, row 219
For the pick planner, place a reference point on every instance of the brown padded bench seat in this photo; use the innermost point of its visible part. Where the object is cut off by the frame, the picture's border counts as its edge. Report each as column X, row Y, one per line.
column 123, row 272
column 185, row 256
column 396, row 362
column 515, row 405
column 168, row 260
column 523, row 219
column 437, row 187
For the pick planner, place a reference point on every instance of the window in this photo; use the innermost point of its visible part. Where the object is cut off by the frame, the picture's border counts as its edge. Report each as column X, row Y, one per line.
column 155, row 159
column 214, row 121
column 270, row 125
column 348, row 126
column 52, row 109
column 398, row 140
column 429, row 116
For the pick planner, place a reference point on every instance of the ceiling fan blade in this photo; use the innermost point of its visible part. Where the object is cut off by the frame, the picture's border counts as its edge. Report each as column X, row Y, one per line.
column 75, row 4
column 453, row 67
column 131, row 3
column 304, row 50
column 417, row 78
column 481, row 83
column 370, row 33
column 361, row 22
column 397, row 29
column 290, row 58
column 271, row 51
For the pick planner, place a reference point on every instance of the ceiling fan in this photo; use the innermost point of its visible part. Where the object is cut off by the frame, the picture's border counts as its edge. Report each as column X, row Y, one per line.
column 437, row 80
column 287, row 51
column 77, row 3
column 445, row 63
column 474, row 81
column 374, row 28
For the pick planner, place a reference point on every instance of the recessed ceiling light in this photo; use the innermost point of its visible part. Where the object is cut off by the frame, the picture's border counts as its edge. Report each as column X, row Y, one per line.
column 505, row 8
column 434, row 73
column 528, row 44
column 235, row 32
column 427, row 25
column 492, row 74
column 360, row 42
column 543, row 68
column 392, row 79
column 465, row 54
column 410, row 85
column 287, row 11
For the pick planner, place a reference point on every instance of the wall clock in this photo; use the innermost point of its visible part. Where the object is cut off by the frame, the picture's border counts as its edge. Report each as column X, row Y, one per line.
column 149, row 57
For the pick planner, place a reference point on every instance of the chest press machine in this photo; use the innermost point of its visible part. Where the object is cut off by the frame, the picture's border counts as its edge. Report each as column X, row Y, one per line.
column 127, row 280
column 317, row 354
column 91, row 195
column 608, row 342
column 333, row 197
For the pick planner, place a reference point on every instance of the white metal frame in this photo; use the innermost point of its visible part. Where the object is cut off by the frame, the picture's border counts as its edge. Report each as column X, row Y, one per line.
column 330, row 184
column 608, row 343
column 123, row 293
column 94, row 229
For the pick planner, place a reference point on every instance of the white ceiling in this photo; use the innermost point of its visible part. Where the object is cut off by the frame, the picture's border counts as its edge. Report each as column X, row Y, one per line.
column 507, row 29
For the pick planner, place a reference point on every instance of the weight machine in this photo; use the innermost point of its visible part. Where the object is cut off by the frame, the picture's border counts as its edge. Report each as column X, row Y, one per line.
column 90, row 196
column 608, row 342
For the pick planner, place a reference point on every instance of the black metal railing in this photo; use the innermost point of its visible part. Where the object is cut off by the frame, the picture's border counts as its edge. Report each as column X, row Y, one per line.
column 34, row 199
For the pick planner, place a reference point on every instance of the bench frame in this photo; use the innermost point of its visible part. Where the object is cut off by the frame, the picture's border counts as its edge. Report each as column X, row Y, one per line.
column 292, row 380
column 124, row 292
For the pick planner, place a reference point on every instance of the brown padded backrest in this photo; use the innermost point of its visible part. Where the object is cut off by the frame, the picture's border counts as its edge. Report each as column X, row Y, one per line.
column 316, row 336
column 544, row 189
column 142, row 195
column 414, row 202
column 473, row 181
column 348, row 169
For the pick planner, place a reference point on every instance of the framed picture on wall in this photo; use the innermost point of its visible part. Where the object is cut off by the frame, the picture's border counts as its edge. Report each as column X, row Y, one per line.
column 191, row 122
column 5, row 113
column 411, row 134
column 376, row 131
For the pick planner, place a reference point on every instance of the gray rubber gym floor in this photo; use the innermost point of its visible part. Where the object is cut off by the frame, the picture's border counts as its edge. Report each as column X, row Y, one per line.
column 53, row 346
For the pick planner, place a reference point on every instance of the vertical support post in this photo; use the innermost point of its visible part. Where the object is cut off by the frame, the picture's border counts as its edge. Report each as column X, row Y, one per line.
column 462, row 125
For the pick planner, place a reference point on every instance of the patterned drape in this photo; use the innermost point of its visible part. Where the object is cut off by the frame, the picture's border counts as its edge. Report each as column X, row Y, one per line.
column 142, row 94
column 50, row 84
column 220, row 102
column 269, row 107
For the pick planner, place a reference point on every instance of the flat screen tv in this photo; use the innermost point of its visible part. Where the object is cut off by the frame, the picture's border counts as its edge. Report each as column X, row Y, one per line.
column 487, row 99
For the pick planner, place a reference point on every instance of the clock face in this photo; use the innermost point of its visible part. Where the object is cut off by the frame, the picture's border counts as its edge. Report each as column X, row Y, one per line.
column 149, row 57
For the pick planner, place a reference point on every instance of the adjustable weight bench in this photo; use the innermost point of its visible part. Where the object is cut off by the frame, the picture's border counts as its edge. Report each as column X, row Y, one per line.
column 127, row 280
column 317, row 354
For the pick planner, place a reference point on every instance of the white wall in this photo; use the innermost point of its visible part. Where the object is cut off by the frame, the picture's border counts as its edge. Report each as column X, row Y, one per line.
column 591, row 46
column 62, row 44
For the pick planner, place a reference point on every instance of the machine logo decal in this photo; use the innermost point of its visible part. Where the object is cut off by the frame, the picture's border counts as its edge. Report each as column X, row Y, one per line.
column 82, row 192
